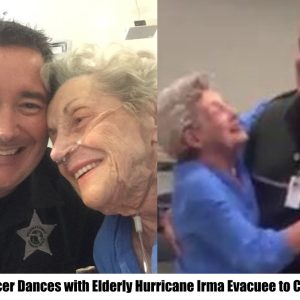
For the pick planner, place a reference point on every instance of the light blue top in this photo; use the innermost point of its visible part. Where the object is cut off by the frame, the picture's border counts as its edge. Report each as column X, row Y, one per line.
column 113, row 249
column 216, row 222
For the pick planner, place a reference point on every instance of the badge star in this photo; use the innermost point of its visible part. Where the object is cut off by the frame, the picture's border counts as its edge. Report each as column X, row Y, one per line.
column 36, row 236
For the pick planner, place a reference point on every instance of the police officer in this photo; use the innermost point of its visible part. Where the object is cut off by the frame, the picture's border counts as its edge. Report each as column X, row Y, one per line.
column 44, row 227
column 274, row 159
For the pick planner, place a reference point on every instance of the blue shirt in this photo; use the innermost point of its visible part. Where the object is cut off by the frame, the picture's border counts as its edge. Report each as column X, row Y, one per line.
column 216, row 222
column 113, row 249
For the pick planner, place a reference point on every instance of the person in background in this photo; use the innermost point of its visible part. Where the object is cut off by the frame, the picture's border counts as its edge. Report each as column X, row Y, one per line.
column 214, row 207
column 102, row 122
column 44, row 226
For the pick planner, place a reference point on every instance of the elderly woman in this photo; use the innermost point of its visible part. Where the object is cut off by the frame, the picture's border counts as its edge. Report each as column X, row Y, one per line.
column 215, row 213
column 102, row 125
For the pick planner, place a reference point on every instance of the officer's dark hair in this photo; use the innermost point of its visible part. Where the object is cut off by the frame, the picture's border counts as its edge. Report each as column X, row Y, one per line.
column 16, row 34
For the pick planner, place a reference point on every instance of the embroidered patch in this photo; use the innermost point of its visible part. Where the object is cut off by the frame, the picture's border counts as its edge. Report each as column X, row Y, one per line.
column 36, row 236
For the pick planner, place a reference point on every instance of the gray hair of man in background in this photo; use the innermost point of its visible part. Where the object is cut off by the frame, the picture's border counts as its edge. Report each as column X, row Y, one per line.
column 176, row 113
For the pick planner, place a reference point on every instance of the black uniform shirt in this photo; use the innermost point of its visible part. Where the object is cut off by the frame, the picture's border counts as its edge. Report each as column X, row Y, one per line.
column 45, row 227
column 273, row 156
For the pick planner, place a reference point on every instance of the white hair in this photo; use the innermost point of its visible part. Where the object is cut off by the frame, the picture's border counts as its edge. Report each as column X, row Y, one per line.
column 131, row 75
column 175, row 111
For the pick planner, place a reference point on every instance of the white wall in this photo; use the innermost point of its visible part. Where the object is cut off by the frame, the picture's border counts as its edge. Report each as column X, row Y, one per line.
column 84, row 21
column 248, row 44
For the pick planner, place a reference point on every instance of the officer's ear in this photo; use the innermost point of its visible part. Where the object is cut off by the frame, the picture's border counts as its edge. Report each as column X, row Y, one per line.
column 192, row 137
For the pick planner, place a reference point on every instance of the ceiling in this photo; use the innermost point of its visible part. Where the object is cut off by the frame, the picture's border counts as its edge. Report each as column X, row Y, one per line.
column 99, row 21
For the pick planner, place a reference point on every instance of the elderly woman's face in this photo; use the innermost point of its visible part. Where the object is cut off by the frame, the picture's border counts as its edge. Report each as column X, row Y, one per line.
column 101, row 148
